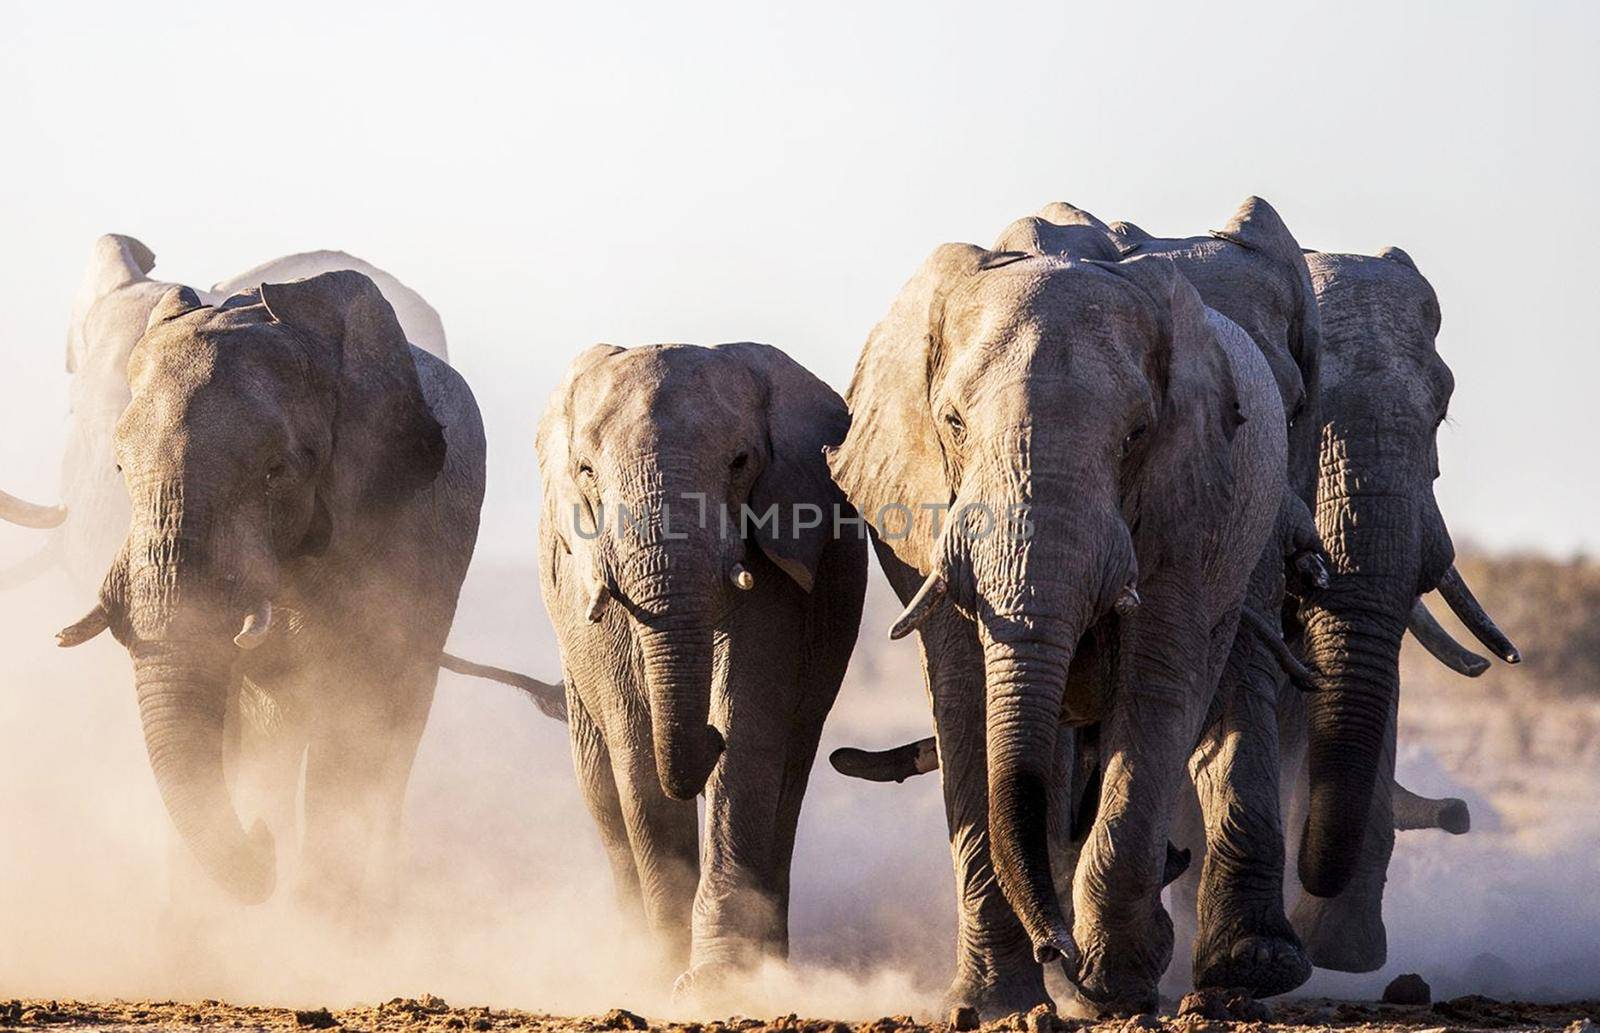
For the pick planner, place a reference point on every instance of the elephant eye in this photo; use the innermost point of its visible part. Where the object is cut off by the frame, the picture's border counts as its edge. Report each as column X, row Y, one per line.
column 585, row 471
column 739, row 461
column 275, row 472
column 958, row 429
column 1133, row 438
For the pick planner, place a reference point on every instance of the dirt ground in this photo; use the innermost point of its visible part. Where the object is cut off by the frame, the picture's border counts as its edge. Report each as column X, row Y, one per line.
column 432, row 1013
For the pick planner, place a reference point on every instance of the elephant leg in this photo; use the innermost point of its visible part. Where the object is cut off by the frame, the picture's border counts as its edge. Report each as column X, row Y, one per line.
column 1243, row 937
column 1123, row 932
column 1068, row 785
column 1346, row 933
column 1188, row 833
column 836, row 603
column 364, row 729
column 266, row 752
column 598, row 785
column 995, row 970
column 412, row 702
column 663, row 834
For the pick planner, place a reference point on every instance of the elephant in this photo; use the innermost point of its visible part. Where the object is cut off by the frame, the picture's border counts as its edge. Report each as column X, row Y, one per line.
column 304, row 488
column 1141, row 439
column 701, row 649
column 1385, row 392
column 109, row 312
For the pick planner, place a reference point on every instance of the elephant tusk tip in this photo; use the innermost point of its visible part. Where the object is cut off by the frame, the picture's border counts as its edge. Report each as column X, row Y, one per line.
column 742, row 578
column 1512, row 656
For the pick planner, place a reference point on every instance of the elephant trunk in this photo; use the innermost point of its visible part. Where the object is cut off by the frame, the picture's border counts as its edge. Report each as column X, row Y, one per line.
column 182, row 693
column 1025, row 667
column 1035, row 598
column 677, row 672
column 1353, row 635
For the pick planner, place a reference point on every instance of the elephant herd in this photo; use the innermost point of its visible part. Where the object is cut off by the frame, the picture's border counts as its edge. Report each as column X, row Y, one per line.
column 1160, row 511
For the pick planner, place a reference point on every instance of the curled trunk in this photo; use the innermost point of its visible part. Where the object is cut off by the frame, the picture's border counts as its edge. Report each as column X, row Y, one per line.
column 181, row 705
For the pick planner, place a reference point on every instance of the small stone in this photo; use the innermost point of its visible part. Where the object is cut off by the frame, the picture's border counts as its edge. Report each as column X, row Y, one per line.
column 431, row 1003
column 482, row 1022
column 315, row 1018
column 1140, row 1022
column 1041, row 1019
column 1409, row 988
column 621, row 1018
column 454, row 1022
column 1582, row 1026
column 963, row 1018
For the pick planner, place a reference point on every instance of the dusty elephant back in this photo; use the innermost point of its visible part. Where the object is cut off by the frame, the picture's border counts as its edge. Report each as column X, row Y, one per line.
column 420, row 321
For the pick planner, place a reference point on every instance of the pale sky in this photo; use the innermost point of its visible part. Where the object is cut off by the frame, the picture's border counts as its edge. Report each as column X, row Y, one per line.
column 552, row 177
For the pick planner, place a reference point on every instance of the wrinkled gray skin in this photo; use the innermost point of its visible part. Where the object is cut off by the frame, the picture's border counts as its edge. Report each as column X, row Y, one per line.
column 1253, row 272
column 305, row 488
column 678, row 679
column 1103, row 399
column 109, row 312
column 1385, row 391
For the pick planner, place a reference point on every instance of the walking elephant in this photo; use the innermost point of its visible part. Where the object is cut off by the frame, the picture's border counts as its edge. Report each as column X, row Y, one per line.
column 1385, row 391
column 706, row 610
column 304, row 488
column 1112, row 460
column 109, row 312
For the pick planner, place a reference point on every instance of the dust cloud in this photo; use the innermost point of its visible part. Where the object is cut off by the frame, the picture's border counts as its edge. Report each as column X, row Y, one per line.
column 508, row 899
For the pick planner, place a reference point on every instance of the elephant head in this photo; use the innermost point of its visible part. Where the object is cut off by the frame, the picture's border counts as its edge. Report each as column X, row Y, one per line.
column 1072, row 415
column 672, row 474
column 109, row 312
column 1252, row 270
column 1385, row 392
column 263, row 436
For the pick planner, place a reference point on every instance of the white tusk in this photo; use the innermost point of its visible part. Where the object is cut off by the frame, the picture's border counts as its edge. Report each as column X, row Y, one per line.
column 922, row 604
column 257, row 626
column 1127, row 600
column 742, row 578
column 29, row 514
column 597, row 603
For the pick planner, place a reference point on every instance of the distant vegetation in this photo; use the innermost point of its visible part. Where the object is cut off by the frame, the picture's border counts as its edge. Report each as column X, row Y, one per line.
column 1551, row 610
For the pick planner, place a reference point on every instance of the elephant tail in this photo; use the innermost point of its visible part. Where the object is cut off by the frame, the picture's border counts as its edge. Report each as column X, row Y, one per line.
column 550, row 699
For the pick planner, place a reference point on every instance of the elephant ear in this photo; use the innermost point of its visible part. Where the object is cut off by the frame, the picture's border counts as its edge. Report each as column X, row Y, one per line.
column 553, row 446
column 804, row 417
column 1395, row 254
column 891, row 463
column 1060, row 229
column 115, row 261
column 1183, row 483
column 1258, row 227
column 176, row 303
column 1129, row 237
column 387, row 443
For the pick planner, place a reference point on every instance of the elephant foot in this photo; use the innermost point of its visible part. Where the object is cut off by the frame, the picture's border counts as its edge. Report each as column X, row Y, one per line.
column 1264, row 965
column 706, row 982
column 996, row 1000
column 1343, row 933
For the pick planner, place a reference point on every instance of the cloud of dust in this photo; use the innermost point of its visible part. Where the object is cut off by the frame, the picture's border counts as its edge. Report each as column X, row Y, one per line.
column 508, row 899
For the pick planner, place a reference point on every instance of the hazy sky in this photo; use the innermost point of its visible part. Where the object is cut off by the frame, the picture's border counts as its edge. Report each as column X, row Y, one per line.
column 551, row 177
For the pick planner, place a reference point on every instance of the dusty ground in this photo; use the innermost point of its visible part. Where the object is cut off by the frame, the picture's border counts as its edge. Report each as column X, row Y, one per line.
column 432, row 1013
